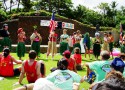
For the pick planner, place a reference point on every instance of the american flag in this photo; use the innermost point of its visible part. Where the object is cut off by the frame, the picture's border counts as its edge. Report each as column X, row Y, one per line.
column 52, row 22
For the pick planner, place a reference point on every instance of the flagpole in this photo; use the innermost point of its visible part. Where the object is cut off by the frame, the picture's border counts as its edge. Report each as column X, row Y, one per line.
column 52, row 47
column 52, row 28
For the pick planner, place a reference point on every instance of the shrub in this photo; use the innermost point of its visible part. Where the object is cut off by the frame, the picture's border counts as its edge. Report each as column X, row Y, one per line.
column 3, row 15
column 15, row 16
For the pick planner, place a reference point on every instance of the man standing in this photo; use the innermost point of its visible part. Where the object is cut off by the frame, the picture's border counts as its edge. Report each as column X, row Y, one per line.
column 52, row 44
column 5, row 34
column 111, row 40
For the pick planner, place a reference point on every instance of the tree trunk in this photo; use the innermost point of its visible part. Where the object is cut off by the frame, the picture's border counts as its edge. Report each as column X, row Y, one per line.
column 11, row 1
column 5, row 5
column 18, row 5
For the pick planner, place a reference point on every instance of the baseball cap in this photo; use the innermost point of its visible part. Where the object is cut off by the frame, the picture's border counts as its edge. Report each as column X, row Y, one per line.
column 118, row 64
column 44, row 84
column 67, row 53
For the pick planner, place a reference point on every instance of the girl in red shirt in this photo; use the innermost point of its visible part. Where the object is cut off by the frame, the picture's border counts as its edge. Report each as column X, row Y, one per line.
column 78, row 58
column 6, row 64
column 71, row 62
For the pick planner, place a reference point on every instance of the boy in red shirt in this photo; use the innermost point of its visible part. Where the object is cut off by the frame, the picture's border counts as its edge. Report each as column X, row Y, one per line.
column 32, row 68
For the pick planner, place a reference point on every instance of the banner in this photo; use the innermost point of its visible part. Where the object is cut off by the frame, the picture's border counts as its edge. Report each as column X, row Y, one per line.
column 64, row 24
column 67, row 25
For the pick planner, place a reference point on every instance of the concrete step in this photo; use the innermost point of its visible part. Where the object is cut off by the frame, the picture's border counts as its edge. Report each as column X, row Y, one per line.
column 43, row 48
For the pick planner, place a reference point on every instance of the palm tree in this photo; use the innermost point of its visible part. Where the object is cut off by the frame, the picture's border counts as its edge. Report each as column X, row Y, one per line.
column 27, row 5
column 123, row 10
column 114, row 10
column 104, row 7
column 113, row 6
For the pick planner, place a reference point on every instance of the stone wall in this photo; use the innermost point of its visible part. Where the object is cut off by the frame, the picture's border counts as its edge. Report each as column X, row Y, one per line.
column 27, row 23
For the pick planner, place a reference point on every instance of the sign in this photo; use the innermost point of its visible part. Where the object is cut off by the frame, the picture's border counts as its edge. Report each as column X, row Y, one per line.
column 64, row 24
column 44, row 23
column 67, row 25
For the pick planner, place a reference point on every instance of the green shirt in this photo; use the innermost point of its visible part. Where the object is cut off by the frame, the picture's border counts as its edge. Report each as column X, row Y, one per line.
column 64, row 79
column 64, row 37
column 100, row 68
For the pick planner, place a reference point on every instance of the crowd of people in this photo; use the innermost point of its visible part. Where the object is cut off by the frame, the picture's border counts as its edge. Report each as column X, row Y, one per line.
column 103, row 74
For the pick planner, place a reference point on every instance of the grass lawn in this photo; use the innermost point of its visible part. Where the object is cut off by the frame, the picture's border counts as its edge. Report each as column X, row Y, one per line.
column 7, row 83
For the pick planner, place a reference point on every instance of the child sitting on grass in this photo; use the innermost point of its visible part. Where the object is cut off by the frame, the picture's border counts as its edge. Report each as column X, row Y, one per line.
column 78, row 58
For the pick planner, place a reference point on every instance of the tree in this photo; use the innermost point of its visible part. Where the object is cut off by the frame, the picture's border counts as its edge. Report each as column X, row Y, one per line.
column 114, row 10
column 1, row 4
column 3, row 15
column 63, row 7
column 104, row 7
column 4, row 5
column 18, row 5
column 122, row 10
column 27, row 4
column 80, row 13
column 11, row 1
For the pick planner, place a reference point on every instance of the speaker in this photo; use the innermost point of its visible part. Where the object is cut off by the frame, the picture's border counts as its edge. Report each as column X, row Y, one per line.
column 97, row 27
column 59, row 25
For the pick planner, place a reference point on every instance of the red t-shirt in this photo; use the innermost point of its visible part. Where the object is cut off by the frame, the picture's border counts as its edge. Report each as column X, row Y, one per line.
column 71, row 64
column 78, row 58
column 6, row 66
column 31, row 71
column 73, row 40
column 54, row 38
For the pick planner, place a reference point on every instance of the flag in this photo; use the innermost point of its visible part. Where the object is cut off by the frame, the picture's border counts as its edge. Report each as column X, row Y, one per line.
column 52, row 22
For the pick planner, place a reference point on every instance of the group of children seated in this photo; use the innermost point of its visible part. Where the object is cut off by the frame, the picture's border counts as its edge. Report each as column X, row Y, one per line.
column 64, row 76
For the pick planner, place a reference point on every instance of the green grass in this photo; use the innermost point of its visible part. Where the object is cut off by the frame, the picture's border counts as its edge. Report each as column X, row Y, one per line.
column 7, row 83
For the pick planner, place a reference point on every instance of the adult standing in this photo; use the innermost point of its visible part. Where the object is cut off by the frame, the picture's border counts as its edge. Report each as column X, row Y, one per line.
column 97, row 45
column 111, row 40
column 5, row 35
column 35, row 42
column 78, row 37
column 105, row 45
column 86, row 43
column 52, row 44
column 64, row 42
column 21, row 45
